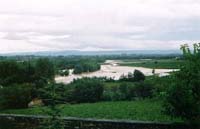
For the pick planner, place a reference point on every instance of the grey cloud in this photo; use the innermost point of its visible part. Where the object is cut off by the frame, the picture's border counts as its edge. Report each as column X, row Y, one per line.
column 14, row 36
column 94, row 24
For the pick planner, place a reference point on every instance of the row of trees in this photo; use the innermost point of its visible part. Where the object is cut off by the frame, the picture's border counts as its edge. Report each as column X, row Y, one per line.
column 128, row 91
column 13, row 72
column 79, row 64
column 86, row 67
column 95, row 89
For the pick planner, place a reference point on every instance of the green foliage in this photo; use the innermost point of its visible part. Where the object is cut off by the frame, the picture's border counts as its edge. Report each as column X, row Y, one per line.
column 9, row 73
column 118, row 91
column 145, row 110
column 80, row 64
column 160, row 84
column 143, row 90
column 86, row 66
column 124, row 91
column 25, row 78
column 12, row 72
column 86, row 90
column 127, row 91
column 59, row 93
column 79, row 69
column 183, row 97
column 138, row 76
column 15, row 96
column 79, row 91
column 45, row 69
column 54, row 122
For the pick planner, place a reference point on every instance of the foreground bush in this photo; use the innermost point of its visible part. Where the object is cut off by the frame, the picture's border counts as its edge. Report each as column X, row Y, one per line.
column 45, row 93
column 118, row 92
column 15, row 96
column 85, row 90
column 183, row 97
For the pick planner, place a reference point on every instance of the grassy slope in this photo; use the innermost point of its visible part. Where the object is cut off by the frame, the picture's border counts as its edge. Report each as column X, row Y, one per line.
column 145, row 110
column 161, row 64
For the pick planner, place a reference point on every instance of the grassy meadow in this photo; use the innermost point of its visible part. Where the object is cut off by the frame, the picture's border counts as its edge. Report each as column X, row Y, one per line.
column 154, row 63
column 143, row 110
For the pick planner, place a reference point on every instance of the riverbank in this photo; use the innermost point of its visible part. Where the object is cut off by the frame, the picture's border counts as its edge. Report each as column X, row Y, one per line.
column 112, row 69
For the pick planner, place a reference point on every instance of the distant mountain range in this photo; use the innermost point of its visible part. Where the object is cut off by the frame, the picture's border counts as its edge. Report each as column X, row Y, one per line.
column 92, row 53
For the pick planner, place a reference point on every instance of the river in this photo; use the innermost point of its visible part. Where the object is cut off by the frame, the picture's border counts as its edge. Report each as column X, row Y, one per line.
column 112, row 69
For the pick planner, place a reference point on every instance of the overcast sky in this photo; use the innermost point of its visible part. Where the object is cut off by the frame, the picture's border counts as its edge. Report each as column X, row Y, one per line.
column 48, row 25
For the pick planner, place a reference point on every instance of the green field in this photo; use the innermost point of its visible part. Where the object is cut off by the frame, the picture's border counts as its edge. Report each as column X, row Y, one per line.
column 144, row 110
column 155, row 64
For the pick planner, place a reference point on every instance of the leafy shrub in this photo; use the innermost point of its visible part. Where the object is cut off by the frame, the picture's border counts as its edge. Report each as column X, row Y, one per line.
column 51, row 98
column 112, row 94
column 15, row 96
column 143, row 90
column 85, row 90
column 183, row 97
column 124, row 91
column 79, row 91
column 160, row 84
column 57, row 90
column 128, row 91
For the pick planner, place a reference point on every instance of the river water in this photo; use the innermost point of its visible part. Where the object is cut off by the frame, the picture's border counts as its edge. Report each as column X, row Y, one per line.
column 112, row 69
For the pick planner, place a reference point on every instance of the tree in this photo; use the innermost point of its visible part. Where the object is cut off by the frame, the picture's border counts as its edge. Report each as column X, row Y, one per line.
column 87, row 90
column 78, row 69
column 54, row 111
column 183, row 97
column 45, row 69
column 9, row 72
column 138, row 75
column 15, row 96
column 143, row 90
